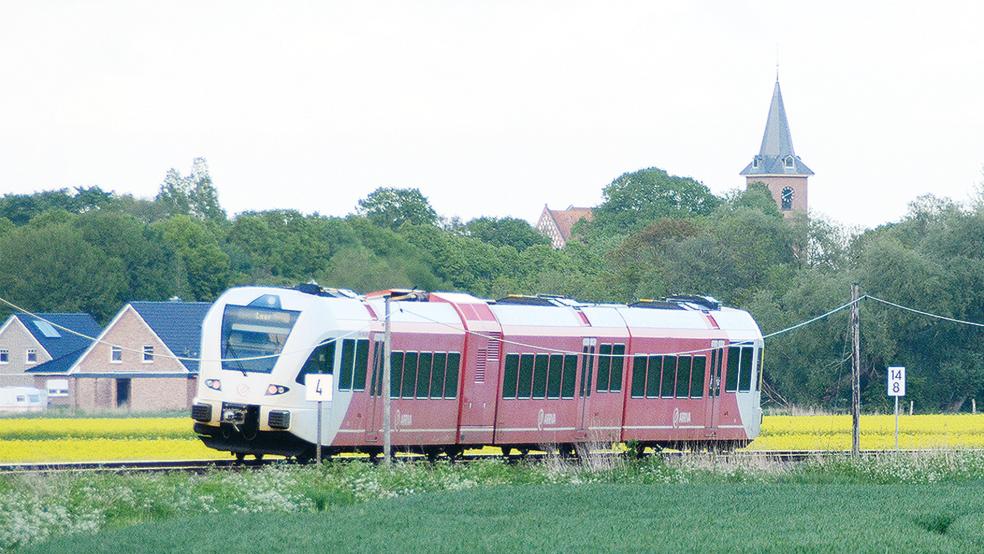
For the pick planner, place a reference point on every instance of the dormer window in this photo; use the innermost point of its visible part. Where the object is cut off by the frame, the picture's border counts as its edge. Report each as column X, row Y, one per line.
column 789, row 162
column 755, row 162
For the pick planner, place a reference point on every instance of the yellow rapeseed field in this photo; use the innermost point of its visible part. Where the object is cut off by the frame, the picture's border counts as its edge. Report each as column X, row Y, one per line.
column 109, row 439
column 833, row 432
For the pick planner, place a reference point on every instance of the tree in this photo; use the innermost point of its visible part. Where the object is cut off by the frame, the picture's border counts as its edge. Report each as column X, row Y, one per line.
column 21, row 208
column 193, row 195
column 505, row 231
column 52, row 268
column 392, row 207
column 635, row 199
column 207, row 266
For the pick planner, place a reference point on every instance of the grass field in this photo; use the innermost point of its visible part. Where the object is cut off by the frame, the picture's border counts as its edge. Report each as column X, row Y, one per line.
column 171, row 438
column 929, row 502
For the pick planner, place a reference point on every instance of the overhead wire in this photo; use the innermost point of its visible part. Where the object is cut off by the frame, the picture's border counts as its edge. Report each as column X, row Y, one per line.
column 97, row 340
column 363, row 330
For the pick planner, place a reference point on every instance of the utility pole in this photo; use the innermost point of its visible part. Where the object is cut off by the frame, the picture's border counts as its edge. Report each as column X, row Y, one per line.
column 387, row 372
column 855, row 370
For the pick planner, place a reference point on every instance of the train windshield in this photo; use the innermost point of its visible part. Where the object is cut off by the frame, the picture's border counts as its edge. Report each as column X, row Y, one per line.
column 252, row 337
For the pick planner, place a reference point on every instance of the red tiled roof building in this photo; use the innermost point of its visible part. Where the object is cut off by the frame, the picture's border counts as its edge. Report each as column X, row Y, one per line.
column 557, row 224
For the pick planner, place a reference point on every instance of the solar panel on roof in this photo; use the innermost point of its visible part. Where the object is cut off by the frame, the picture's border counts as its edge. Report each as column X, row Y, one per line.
column 46, row 329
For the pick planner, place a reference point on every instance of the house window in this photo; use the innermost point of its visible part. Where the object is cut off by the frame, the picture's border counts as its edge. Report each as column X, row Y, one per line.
column 32, row 355
column 57, row 387
column 4, row 356
column 148, row 354
column 116, row 355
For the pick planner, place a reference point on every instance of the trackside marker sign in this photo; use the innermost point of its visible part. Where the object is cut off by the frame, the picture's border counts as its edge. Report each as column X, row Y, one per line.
column 318, row 387
column 896, row 381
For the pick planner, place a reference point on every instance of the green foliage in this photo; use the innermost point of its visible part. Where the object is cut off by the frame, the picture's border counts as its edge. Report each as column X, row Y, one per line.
column 554, row 506
column 197, row 248
column 21, row 208
column 193, row 195
column 505, row 231
column 52, row 268
column 636, row 199
column 392, row 207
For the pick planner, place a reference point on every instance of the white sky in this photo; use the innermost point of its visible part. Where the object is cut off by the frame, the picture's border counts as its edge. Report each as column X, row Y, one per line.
column 491, row 108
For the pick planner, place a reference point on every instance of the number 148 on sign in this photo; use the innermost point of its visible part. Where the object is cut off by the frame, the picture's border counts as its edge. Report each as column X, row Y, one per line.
column 896, row 381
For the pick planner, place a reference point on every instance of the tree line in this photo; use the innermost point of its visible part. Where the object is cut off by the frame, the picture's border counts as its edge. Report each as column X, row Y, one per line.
column 654, row 234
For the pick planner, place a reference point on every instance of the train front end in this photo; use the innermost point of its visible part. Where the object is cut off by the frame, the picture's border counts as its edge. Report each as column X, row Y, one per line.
column 257, row 344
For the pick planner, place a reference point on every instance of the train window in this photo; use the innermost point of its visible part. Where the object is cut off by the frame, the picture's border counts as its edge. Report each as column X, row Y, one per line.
column 587, row 371
column 570, row 375
column 618, row 366
column 731, row 380
column 524, row 386
column 374, row 372
column 669, row 374
column 254, row 332
column 424, row 376
column 321, row 360
column 509, row 375
column 409, row 375
column 683, row 376
column 361, row 363
column 604, row 367
column 639, row 377
column 653, row 376
column 745, row 379
column 451, row 379
column 697, row 377
column 437, row 375
column 540, row 375
column 348, row 359
column 554, row 375
column 396, row 373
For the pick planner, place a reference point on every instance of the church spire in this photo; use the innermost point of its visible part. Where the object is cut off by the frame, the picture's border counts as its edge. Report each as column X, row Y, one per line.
column 776, row 155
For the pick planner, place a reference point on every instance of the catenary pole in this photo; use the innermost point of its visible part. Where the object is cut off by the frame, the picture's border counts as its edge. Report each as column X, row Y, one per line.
column 387, row 371
column 855, row 370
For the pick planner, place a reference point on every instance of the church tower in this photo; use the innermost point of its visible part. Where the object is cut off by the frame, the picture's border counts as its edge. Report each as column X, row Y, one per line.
column 777, row 164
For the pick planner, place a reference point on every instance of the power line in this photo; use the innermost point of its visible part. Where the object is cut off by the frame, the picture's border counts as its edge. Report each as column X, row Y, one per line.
column 697, row 351
column 927, row 314
column 184, row 358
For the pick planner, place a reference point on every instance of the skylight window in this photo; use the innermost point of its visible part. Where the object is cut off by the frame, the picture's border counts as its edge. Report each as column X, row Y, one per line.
column 47, row 329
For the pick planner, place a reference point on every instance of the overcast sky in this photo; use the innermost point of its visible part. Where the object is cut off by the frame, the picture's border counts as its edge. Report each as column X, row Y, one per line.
column 490, row 108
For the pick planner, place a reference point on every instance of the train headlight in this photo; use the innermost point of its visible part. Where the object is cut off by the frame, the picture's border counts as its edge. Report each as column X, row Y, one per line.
column 274, row 390
column 213, row 384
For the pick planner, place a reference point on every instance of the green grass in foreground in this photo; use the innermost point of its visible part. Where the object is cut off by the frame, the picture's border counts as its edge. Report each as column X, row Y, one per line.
column 714, row 517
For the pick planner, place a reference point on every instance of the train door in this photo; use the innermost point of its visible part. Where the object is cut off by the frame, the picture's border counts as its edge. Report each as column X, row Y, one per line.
column 714, row 384
column 586, row 383
column 374, row 407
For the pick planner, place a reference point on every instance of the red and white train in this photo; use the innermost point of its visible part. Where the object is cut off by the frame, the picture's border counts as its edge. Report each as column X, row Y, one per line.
column 520, row 373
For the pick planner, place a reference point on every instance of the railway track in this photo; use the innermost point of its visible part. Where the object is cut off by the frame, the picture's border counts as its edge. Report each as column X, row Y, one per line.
column 200, row 466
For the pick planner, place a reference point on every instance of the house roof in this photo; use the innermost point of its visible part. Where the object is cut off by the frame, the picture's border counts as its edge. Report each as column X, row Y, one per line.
column 777, row 144
column 178, row 324
column 56, row 341
column 565, row 219
column 58, row 365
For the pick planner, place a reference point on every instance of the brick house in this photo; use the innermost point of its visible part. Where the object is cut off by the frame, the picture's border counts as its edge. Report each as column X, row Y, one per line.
column 28, row 343
column 557, row 224
column 132, row 365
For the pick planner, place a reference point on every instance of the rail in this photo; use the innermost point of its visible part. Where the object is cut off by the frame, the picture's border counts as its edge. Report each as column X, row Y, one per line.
column 201, row 466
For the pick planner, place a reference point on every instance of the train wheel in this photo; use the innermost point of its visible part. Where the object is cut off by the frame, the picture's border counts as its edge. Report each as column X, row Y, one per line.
column 259, row 457
column 454, row 453
column 240, row 457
